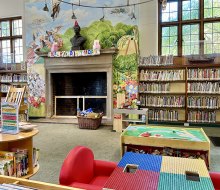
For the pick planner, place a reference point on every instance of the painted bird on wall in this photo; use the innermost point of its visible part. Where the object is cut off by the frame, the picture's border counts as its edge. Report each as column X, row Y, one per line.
column 55, row 9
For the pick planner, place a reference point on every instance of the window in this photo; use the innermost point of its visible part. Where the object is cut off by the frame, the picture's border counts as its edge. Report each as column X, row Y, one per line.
column 189, row 27
column 11, row 44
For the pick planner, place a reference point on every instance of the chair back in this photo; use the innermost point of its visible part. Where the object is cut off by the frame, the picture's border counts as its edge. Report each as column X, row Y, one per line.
column 15, row 95
column 78, row 166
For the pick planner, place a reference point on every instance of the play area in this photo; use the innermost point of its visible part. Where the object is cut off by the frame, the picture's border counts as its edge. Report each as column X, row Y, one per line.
column 166, row 132
column 166, row 141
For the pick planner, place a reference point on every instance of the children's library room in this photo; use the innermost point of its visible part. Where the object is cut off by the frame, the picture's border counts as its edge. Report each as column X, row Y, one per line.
column 110, row 95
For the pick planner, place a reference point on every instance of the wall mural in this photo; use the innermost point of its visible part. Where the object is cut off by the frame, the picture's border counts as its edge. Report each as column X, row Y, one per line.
column 116, row 27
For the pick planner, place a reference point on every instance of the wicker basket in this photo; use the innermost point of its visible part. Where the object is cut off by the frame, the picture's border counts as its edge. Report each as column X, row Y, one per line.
column 89, row 123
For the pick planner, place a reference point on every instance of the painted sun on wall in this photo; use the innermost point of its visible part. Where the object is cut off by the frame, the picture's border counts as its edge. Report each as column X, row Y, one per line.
column 114, row 27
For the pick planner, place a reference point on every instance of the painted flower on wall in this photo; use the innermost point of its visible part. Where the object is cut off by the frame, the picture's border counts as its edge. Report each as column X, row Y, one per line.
column 36, row 86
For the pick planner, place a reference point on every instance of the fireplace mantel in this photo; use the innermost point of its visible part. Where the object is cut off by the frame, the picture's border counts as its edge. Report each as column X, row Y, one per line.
column 83, row 64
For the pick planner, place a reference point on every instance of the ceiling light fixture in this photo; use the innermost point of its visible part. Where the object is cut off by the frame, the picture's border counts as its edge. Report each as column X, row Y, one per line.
column 103, row 17
column 73, row 14
column 45, row 7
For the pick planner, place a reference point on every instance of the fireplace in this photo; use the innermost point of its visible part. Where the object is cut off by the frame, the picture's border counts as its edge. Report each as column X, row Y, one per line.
column 79, row 82
column 79, row 91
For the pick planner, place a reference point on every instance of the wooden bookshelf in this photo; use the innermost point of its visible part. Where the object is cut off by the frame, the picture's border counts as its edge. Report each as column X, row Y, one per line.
column 22, row 140
column 198, row 81
column 16, row 78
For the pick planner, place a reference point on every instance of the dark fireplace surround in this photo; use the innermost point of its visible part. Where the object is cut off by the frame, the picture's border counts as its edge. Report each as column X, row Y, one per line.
column 89, row 64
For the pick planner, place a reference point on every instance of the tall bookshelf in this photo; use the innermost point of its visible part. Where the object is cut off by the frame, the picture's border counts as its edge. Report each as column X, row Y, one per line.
column 203, row 93
column 162, row 90
column 187, row 93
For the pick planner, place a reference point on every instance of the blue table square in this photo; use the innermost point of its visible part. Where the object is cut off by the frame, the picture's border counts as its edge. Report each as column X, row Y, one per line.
column 144, row 161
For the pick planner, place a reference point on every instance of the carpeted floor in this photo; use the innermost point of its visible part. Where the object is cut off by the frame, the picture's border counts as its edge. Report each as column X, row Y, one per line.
column 56, row 140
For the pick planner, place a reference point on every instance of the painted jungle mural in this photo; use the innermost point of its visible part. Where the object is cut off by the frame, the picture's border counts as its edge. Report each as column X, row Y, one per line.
column 113, row 28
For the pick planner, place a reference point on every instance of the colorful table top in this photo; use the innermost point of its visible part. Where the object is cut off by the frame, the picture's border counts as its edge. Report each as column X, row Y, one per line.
column 188, row 134
column 160, row 173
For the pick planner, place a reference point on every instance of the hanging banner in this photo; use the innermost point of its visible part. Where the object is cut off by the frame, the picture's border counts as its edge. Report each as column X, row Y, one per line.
column 9, row 114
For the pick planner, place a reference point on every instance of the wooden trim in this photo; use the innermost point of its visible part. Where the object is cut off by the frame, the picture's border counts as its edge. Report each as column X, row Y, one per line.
column 10, row 18
column 159, row 29
column 181, row 22
column 11, row 37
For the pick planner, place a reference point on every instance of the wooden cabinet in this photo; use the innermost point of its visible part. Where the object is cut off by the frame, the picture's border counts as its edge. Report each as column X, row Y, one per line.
column 22, row 140
column 186, row 93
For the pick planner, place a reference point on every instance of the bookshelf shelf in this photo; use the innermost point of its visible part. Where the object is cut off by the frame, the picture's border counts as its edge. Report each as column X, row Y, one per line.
column 199, row 80
column 35, row 170
column 166, row 107
column 12, row 71
column 162, row 93
column 162, row 81
column 201, row 108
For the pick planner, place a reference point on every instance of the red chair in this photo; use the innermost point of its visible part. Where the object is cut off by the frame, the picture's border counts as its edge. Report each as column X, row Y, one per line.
column 215, row 177
column 80, row 170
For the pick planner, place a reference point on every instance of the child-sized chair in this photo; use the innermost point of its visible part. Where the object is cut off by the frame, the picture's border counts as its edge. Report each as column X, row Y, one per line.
column 80, row 170
column 215, row 177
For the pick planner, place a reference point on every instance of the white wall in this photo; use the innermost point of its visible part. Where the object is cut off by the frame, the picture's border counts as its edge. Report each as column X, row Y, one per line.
column 11, row 8
column 148, row 27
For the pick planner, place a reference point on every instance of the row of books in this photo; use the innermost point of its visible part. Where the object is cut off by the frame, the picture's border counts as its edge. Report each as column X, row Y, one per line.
column 14, row 163
column 204, row 87
column 162, row 101
column 154, row 87
column 203, row 102
column 4, row 88
column 201, row 74
column 202, row 116
column 164, row 75
column 13, row 78
column 156, row 60
column 163, row 115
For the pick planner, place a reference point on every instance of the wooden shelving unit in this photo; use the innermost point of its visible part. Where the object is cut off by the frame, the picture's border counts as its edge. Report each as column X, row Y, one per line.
column 121, row 118
column 205, row 76
column 17, row 78
column 22, row 140
column 166, row 84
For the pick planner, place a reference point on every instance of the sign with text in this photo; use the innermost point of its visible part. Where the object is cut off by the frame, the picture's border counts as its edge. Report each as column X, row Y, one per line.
column 76, row 53
column 9, row 114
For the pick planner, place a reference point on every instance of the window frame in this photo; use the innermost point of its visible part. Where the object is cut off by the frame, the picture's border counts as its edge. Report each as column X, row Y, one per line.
column 179, row 23
column 11, row 37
